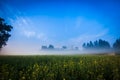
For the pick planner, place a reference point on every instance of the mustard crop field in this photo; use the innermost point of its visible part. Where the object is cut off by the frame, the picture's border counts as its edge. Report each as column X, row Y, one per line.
column 63, row 67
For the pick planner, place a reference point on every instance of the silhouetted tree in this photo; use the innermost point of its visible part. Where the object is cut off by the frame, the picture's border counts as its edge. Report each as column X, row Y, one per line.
column 50, row 46
column 91, row 44
column 84, row 45
column 100, row 44
column 88, row 46
column 96, row 44
column 4, row 32
column 116, row 46
column 104, row 44
column 64, row 47
column 76, row 48
column 44, row 47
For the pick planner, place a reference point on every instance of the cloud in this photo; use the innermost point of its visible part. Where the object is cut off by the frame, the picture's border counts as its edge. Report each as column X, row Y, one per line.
column 41, row 36
column 25, row 27
column 29, row 33
column 104, row 32
column 87, row 25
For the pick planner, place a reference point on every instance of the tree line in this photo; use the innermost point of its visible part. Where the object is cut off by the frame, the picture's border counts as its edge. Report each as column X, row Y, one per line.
column 98, row 44
column 102, row 44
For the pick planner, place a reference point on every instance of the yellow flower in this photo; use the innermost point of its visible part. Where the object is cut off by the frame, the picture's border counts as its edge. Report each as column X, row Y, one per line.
column 95, row 62
column 23, row 77
column 81, row 62
column 63, row 78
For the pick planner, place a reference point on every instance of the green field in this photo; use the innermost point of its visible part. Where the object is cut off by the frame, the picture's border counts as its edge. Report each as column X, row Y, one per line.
column 73, row 67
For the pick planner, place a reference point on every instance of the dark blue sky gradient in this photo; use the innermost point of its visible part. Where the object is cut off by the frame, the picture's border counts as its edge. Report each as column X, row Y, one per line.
column 61, row 22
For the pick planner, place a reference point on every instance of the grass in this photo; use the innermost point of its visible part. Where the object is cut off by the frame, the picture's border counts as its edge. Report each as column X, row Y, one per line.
column 66, row 67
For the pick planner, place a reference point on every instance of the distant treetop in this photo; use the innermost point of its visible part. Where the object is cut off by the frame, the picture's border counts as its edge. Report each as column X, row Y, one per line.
column 116, row 45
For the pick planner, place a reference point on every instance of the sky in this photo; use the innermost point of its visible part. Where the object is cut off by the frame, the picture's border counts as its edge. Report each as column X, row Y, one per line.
column 59, row 22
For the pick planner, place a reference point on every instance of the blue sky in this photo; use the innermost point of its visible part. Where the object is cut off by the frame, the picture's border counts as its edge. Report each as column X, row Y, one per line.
column 59, row 22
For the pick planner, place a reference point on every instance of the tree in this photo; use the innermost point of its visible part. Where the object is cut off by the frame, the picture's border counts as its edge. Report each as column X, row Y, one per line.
column 84, row 45
column 64, row 47
column 76, row 48
column 50, row 46
column 116, row 45
column 4, row 32
column 100, row 44
column 104, row 44
column 44, row 47
column 91, row 44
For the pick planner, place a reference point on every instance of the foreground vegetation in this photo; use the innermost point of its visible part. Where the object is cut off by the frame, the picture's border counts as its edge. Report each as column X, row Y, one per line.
column 89, row 67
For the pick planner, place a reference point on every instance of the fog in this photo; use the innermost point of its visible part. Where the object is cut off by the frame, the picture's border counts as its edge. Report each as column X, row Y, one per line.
column 60, row 52
column 74, row 52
